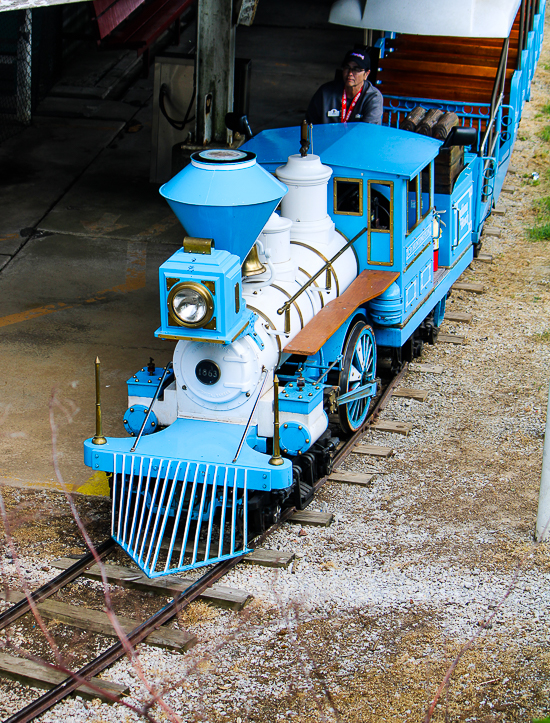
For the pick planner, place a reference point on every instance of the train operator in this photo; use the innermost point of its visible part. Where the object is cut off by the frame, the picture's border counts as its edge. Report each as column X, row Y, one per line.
column 354, row 98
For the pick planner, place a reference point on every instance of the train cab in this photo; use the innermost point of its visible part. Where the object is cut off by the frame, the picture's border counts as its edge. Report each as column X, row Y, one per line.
column 386, row 186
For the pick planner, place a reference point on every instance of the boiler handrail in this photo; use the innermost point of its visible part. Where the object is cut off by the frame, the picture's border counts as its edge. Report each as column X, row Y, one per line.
column 285, row 308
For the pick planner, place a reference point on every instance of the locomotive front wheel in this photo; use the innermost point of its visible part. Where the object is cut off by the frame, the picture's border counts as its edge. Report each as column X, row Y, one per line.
column 358, row 368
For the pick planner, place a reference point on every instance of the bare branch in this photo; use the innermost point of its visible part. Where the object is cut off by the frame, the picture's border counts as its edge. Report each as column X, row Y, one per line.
column 484, row 624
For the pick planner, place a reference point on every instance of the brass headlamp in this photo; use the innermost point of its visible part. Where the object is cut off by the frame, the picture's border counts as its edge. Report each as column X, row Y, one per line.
column 190, row 304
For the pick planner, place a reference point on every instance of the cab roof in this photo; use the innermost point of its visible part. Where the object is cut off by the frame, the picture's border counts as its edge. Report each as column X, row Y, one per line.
column 358, row 146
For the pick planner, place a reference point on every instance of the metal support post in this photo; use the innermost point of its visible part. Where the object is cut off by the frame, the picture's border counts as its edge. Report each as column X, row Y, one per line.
column 215, row 70
column 23, row 101
column 542, row 531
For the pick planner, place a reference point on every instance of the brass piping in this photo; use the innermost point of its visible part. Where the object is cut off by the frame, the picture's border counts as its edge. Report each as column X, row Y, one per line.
column 276, row 458
column 346, row 239
column 336, row 256
column 325, row 261
column 99, row 438
column 319, row 290
column 285, row 293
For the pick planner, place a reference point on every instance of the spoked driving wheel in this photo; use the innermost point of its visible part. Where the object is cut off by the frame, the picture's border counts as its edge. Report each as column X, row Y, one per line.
column 358, row 370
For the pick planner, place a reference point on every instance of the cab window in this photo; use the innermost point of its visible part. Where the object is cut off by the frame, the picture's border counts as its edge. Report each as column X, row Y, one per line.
column 348, row 196
column 380, row 212
column 380, row 223
column 419, row 197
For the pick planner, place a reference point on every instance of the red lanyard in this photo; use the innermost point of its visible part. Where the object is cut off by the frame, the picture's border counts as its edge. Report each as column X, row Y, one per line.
column 345, row 116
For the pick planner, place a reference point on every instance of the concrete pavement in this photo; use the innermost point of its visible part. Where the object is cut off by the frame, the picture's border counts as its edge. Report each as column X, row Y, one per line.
column 82, row 233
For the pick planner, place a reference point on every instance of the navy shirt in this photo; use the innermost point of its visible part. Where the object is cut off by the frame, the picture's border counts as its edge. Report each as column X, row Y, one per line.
column 326, row 104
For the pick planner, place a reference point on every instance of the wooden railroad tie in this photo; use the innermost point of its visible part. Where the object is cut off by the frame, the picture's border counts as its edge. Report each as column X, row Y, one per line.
column 352, row 478
column 450, row 339
column 403, row 428
column 462, row 316
column 269, row 558
column 426, row 368
column 169, row 585
column 374, row 450
column 40, row 676
column 97, row 621
column 420, row 395
column 500, row 210
column 492, row 232
column 508, row 189
column 472, row 287
column 315, row 519
column 484, row 258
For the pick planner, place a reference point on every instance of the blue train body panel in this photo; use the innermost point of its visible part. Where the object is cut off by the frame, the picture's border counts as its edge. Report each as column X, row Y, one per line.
column 191, row 440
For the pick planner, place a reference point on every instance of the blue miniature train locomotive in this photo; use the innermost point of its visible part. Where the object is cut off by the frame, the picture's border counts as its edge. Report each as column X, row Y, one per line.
column 284, row 317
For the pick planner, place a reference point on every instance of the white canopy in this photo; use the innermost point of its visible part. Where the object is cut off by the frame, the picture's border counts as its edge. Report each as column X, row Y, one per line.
column 462, row 18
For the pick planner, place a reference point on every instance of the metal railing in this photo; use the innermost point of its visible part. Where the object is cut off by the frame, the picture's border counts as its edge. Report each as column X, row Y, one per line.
column 326, row 268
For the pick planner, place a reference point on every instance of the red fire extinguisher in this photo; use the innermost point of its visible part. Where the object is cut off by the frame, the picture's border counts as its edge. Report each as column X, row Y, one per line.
column 436, row 234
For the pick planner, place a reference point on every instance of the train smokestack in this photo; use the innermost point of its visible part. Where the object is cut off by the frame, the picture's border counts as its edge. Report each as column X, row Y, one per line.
column 225, row 195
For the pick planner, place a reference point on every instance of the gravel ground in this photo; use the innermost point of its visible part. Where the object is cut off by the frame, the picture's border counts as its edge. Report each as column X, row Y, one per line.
column 364, row 624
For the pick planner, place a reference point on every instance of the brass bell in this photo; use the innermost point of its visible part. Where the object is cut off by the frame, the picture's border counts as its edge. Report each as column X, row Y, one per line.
column 252, row 266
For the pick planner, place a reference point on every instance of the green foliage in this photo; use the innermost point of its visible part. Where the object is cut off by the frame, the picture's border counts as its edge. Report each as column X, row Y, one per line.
column 546, row 109
column 544, row 205
column 545, row 133
column 544, row 337
column 541, row 231
column 542, row 720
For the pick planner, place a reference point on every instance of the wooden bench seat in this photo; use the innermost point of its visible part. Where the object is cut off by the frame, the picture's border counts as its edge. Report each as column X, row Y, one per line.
column 136, row 24
column 470, row 92
column 432, row 69
column 447, row 49
column 448, row 69
column 414, row 55
column 368, row 285
column 457, row 44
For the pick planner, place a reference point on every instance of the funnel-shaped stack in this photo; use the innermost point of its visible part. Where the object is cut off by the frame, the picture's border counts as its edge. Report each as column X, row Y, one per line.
column 224, row 195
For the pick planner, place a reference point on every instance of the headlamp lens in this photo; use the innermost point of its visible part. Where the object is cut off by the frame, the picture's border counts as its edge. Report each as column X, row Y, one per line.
column 189, row 306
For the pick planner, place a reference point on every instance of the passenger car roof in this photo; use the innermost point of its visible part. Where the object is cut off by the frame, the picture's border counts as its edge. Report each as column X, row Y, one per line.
column 358, row 146
column 467, row 18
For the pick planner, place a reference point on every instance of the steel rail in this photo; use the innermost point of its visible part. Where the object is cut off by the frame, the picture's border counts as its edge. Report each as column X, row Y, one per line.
column 347, row 449
column 68, row 575
column 169, row 611
column 118, row 650
column 137, row 635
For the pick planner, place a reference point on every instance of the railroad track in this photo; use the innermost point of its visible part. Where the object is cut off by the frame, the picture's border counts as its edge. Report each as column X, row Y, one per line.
column 181, row 599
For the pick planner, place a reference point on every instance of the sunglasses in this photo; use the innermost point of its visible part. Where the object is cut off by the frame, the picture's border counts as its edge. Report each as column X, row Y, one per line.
column 355, row 69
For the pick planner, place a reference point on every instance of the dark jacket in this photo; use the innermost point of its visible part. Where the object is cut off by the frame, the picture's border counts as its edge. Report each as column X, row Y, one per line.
column 326, row 104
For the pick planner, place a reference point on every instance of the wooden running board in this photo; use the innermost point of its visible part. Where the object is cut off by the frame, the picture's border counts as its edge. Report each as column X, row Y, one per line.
column 368, row 285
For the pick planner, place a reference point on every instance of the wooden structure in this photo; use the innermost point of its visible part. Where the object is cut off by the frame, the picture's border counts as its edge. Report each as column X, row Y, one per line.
column 136, row 24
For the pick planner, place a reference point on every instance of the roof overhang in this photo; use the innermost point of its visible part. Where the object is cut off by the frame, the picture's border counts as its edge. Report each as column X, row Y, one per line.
column 464, row 19
column 6, row 5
